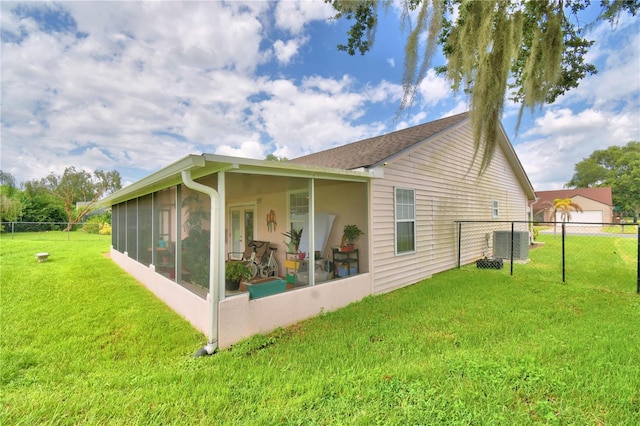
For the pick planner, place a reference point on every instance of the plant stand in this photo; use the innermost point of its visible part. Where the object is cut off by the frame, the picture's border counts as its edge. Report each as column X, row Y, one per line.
column 345, row 263
column 293, row 265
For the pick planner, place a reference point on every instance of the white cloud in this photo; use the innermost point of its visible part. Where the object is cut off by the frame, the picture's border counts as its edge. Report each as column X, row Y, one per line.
column 603, row 111
column 434, row 89
column 563, row 122
column 413, row 120
column 285, row 51
column 459, row 108
column 384, row 91
column 562, row 138
column 292, row 16
column 248, row 149
column 132, row 95
column 144, row 70
column 617, row 57
column 327, row 85
column 313, row 116
column 181, row 34
column 150, row 82
column 605, row 34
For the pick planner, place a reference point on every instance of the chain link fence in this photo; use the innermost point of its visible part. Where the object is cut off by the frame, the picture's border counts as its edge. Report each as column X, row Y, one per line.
column 606, row 254
column 51, row 230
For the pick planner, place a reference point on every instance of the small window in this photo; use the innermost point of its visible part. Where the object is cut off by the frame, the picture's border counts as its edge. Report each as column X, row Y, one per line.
column 495, row 209
column 405, row 217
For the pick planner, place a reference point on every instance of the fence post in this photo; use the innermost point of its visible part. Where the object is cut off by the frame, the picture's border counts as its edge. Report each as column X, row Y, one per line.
column 459, row 241
column 512, row 248
column 638, row 262
column 563, row 264
column 12, row 230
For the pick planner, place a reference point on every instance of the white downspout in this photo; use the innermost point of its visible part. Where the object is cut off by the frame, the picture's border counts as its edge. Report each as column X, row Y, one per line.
column 214, row 261
column 312, row 233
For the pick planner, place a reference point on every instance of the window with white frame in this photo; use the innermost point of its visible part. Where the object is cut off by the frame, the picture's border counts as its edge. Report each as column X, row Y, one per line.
column 405, row 217
column 298, row 209
column 495, row 209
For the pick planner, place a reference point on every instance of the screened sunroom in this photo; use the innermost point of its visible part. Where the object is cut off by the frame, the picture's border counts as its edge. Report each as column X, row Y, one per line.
column 177, row 229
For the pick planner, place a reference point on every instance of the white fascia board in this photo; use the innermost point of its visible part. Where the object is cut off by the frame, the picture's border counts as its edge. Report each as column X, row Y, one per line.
column 207, row 164
column 163, row 178
column 285, row 168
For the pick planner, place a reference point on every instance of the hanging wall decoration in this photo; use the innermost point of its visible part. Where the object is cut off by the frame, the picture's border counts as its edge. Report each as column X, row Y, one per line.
column 271, row 221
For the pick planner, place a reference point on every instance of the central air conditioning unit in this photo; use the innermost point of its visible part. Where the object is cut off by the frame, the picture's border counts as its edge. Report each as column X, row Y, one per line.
column 502, row 245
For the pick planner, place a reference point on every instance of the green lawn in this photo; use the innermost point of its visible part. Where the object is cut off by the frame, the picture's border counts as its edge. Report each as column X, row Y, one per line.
column 83, row 343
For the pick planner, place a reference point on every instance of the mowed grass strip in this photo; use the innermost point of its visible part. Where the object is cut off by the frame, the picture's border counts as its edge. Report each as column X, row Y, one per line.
column 82, row 342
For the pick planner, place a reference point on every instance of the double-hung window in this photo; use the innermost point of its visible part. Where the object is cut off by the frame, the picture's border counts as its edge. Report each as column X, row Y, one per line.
column 405, row 218
column 495, row 209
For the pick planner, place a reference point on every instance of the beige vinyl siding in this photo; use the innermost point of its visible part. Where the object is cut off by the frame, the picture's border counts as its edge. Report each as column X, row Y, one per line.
column 447, row 189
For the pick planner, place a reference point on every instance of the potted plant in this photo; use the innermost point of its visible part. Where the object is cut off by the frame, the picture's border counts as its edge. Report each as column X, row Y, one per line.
column 294, row 240
column 350, row 235
column 234, row 272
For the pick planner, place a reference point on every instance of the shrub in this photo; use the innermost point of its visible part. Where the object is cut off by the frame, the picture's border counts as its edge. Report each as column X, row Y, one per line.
column 105, row 229
column 97, row 225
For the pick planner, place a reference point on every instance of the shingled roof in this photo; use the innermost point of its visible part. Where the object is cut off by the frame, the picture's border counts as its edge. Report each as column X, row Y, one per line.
column 376, row 150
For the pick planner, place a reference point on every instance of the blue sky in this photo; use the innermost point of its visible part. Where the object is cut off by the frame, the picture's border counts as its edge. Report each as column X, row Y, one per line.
column 134, row 86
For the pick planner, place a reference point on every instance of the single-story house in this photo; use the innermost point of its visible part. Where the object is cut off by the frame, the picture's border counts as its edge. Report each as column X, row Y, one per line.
column 175, row 229
column 596, row 204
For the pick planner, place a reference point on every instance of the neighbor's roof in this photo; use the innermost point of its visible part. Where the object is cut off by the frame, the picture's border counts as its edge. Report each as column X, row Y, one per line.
column 602, row 195
column 373, row 151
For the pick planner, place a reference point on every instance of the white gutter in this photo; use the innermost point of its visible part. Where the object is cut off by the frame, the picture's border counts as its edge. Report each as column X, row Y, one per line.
column 214, row 261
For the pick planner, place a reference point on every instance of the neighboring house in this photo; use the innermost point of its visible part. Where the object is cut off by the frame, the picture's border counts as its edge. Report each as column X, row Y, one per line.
column 596, row 204
column 405, row 189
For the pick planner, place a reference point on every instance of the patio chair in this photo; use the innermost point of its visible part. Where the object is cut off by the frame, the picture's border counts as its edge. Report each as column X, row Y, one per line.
column 240, row 255
column 262, row 247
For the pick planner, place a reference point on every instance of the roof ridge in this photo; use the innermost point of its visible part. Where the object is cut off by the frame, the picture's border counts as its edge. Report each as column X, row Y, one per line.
column 395, row 132
column 353, row 155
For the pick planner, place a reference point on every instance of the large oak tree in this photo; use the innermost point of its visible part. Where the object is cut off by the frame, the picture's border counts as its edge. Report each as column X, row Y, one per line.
column 528, row 51
column 617, row 167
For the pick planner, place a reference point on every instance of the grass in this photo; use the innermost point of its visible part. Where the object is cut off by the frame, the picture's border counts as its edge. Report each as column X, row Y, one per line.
column 606, row 263
column 630, row 228
column 82, row 342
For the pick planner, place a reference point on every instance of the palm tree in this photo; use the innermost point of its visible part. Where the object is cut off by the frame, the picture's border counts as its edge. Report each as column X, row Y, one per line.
column 564, row 206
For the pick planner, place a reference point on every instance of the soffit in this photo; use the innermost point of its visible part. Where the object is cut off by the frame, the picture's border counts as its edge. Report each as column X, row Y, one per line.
column 208, row 164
